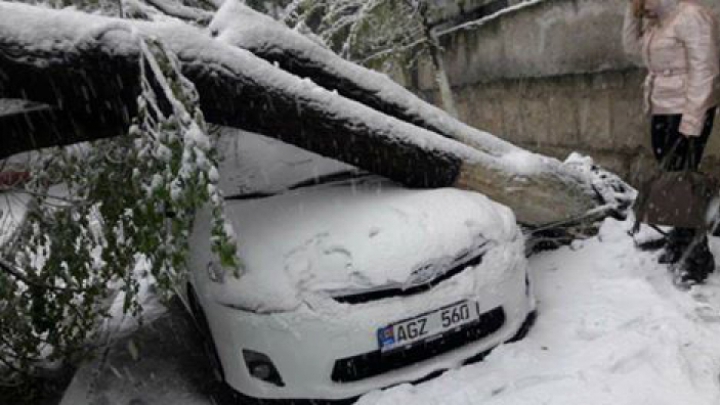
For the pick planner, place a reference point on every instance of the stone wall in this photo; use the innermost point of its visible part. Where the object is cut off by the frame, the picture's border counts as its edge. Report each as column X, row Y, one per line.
column 553, row 78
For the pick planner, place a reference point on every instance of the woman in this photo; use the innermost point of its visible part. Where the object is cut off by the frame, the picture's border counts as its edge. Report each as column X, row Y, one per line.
column 678, row 41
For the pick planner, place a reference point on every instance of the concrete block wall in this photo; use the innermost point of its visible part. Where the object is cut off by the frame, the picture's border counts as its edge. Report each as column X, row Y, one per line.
column 553, row 78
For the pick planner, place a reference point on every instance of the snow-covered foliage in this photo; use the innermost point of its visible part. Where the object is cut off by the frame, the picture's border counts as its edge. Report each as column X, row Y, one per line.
column 176, row 149
column 357, row 29
column 376, row 33
column 387, row 35
column 121, row 203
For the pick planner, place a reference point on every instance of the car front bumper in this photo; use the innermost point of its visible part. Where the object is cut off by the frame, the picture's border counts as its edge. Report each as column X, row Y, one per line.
column 306, row 346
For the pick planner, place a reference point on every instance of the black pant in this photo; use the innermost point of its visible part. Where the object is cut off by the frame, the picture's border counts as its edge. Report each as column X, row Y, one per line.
column 665, row 133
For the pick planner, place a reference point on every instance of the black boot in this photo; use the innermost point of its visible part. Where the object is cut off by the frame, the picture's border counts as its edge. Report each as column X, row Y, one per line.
column 671, row 254
column 698, row 265
column 677, row 241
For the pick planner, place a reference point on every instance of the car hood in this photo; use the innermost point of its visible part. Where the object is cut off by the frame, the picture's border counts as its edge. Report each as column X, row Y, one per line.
column 354, row 236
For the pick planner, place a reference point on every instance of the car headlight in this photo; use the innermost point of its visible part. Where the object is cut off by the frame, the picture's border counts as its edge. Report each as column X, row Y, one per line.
column 261, row 367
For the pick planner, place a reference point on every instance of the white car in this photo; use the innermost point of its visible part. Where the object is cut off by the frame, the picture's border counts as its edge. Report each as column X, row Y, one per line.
column 351, row 282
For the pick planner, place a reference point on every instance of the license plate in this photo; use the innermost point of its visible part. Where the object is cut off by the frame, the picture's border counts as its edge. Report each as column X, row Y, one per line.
column 428, row 325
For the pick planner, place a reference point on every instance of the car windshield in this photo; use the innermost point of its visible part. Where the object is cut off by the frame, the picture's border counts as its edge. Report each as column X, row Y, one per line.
column 324, row 179
column 254, row 166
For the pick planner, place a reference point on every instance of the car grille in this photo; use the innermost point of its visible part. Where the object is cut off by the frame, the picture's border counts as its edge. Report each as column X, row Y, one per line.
column 415, row 289
column 368, row 365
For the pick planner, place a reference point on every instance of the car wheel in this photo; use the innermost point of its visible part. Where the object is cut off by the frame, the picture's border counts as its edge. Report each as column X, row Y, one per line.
column 208, row 342
column 524, row 328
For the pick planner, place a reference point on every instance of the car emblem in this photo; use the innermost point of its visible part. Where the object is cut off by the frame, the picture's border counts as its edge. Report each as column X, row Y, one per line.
column 422, row 275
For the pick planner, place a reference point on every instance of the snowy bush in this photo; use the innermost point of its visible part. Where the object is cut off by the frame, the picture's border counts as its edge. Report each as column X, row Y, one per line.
column 101, row 211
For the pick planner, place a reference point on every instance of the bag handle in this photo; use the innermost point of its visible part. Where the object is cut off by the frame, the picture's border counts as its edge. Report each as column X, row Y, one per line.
column 665, row 162
column 690, row 158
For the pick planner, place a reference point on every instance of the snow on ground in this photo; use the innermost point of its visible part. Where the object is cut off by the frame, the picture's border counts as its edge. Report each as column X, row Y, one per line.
column 611, row 330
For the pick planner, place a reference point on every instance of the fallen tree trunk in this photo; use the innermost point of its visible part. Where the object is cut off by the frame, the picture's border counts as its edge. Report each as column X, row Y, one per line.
column 37, row 126
column 240, row 25
column 87, row 67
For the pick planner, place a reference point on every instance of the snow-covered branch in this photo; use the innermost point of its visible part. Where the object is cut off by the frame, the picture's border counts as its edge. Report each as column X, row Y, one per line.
column 87, row 66
column 178, row 10
column 488, row 18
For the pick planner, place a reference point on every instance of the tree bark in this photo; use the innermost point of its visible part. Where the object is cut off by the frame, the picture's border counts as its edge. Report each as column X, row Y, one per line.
column 42, row 126
column 87, row 68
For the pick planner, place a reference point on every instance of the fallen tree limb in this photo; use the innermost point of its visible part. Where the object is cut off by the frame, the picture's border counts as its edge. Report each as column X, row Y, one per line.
column 86, row 66
column 38, row 126
column 240, row 25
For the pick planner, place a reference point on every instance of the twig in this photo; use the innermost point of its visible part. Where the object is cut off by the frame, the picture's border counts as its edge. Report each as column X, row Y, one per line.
column 7, row 268
column 183, row 12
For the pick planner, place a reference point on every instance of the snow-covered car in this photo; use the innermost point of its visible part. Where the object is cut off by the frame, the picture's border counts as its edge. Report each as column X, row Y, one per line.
column 350, row 282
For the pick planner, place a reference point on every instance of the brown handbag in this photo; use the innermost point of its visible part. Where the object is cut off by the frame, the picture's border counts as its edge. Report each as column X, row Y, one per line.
column 679, row 199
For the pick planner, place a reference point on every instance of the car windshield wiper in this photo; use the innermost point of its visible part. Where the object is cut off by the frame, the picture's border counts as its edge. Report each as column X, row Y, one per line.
column 324, row 179
column 249, row 196
column 330, row 178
